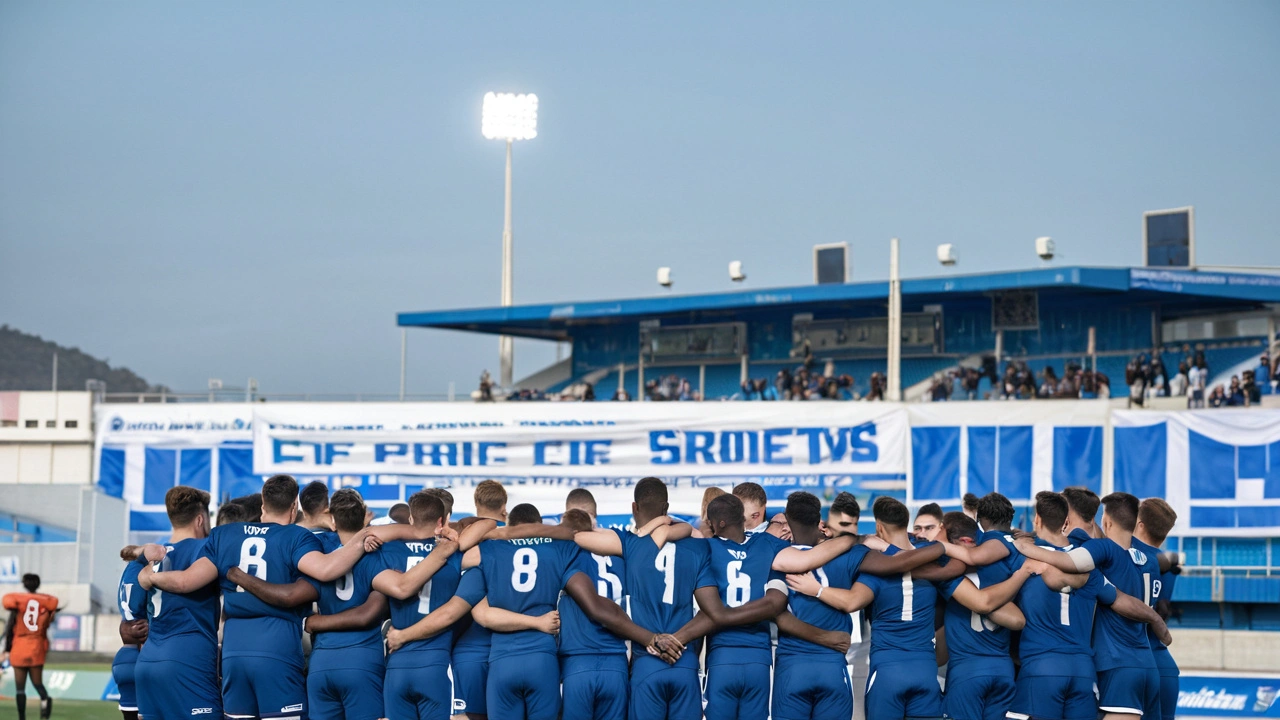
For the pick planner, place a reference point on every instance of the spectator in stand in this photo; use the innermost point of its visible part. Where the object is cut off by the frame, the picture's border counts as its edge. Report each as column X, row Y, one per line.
column 1135, row 376
column 1263, row 375
column 1049, row 387
column 877, row 386
column 1088, row 385
column 748, row 390
column 1235, row 393
column 1178, row 385
column 766, row 390
column 782, row 384
column 969, row 381
column 486, row 387
column 1157, row 379
column 589, row 393
column 1197, row 378
column 1275, row 374
column 1028, row 389
column 1104, row 385
column 621, row 395
column 1217, row 398
column 1252, row 393
column 1069, row 386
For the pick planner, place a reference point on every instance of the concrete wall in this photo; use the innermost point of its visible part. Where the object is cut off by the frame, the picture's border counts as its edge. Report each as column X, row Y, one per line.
column 46, row 438
column 1242, row 650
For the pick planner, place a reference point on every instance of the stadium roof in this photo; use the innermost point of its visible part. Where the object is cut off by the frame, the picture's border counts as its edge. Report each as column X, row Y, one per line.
column 1171, row 287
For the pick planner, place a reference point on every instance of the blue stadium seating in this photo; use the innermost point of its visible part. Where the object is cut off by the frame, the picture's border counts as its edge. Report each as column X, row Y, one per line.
column 15, row 529
column 1240, row 552
column 1242, row 589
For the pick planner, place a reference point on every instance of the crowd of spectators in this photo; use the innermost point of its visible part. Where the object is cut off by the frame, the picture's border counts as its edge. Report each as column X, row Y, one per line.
column 670, row 388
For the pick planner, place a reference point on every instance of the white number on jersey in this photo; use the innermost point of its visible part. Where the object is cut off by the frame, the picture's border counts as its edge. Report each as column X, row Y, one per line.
column 157, row 597
column 345, row 587
column 978, row 623
column 251, row 552
column 424, row 595
column 1146, row 588
column 31, row 616
column 822, row 577
column 739, row 585
column 1064, row 614
column 525, row 574
column 908, row 596
column 666, row 563
column 609, row 585
column 126, row 592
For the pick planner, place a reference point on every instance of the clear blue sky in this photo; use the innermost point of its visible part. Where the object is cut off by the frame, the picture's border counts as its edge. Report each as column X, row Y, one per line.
column 241, row 189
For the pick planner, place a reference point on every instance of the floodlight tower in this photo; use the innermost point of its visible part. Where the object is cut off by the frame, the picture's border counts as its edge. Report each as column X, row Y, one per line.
column 510, row 117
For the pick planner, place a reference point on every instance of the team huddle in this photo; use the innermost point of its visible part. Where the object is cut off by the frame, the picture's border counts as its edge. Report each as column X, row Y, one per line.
column 739, row 618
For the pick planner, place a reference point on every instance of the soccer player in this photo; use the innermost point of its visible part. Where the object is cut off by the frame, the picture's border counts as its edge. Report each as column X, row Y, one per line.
column 27, row 641
column 928, row 522
column 1128, row 682
column 132, row 601
column 525, row 575
column 314, row 503
column 262, row 666
column 182, row 631
column 471, row 649
column 1057, row 676
column 754, row 502
column 1155, row 519
column 1084, row 504
column 995, row 540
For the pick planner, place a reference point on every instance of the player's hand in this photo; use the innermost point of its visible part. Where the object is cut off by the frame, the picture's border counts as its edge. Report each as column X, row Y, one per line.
column 1019, row 534
column 836, row 640
column 1023, row 543
column 549, row 623
column 1163, row 635
column 804, row 583
column 236, row 576
column 369, row 538
column 134, row 632
column 1035, row 567
column 667, row 647
column 875, row 542
column 395, row 640
column 154, row 553
column 447, row 533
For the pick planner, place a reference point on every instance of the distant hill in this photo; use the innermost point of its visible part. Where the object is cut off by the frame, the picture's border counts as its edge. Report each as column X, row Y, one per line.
column 26, row 363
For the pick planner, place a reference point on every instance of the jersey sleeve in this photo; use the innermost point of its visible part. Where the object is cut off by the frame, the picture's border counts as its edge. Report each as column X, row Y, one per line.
column 49, row 602
column 871, row 582
column 472, row 587
column 1105, row 591
column 948, row 588
column 571, row 558
column 703, row 576
column 210, row 549
column 1103, row 552
column 11, row 602
column 306, row 543
column 852, row 560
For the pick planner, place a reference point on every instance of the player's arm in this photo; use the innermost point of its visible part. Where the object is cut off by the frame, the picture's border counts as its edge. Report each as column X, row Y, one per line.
column 877, row 563
column 1008, row 616
column 8, row 631
column 850, row 601
column 933, row 572
column 404, row 585
column 436, row 622
column 327, row 567
column 985, row 601
column 649, row 527
column 988, row 552
column 1076, row 560
column 299, row 592
column 795, row 560
column 794, row 626
column 1138, row 611
column 201, row 573
column 530, row 530
column 599, row 542
column 500, row 620
column 369, row 614
column 604, row 611
column 713, row 614
column 664, row 534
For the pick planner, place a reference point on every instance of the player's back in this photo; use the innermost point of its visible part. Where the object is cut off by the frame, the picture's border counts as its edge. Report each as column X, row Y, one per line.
column 131, row 599
column 402, row 556
column 901, row 616
column 660, row 585
column 347, row 592
column 35, row 612
column 1159, row 586
column 1117, row 640
column 742, row 572
column 269, row 552
column 182, row 627
column 526, row 576
column 579, row 634
column 971, row 636
column 839, row 573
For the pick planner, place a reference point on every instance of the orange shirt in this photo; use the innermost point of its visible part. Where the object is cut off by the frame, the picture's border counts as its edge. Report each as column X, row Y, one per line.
column 35, row 612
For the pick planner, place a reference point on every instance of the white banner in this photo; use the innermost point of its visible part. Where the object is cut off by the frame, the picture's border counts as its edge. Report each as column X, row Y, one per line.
column 582, row 439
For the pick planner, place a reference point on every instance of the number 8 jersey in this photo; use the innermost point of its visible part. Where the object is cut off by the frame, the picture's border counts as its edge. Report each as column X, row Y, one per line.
column 743, row 572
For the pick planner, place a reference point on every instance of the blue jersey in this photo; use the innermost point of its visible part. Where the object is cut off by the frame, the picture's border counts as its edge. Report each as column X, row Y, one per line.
column 660, row 585
column 970, row 635
column 901, row 616
column 347, row 592
column 1009, row 565
column 182, row 628
column 271, row 553
column 742, row 572
column 1118, row 641
column 839, row 573
column 579, row 634
column 524, row 576
column 130, row 597
column 401, row 556
column 1158, row 587
column 1060, row 623
column 474, row 640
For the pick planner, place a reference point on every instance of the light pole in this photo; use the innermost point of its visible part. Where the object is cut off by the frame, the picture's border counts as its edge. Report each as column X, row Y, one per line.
column 893, row 393
column 509, row 117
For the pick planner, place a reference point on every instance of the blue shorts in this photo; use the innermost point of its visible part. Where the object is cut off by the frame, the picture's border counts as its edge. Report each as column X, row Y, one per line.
column 1129, row 691
column 170, row 689
column 594, row 687
column 470, row 680
column 420, row 692
column 904, row 689
column 979, row 689
column 804, row 690
column 1168, row 683
column 524, row 687
column 1066, row 694
column 345, row 683
column 122, row 672
column 263, row 687
column 737, row 692
column 664, row 692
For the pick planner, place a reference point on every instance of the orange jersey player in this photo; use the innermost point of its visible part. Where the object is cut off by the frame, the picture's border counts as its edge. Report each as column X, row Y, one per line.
column 27, row 641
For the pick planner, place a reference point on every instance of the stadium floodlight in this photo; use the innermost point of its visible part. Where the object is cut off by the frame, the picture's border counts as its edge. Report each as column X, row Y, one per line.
column 510, row 117
column 736, row 272
column 1045, row 248
column 947, row 254
column 664, row 277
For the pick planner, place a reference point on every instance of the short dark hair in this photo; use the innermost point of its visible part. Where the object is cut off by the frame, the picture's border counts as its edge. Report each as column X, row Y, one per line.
column 1158, row 517
column 995, row 512
column 583, row 499
column 523, row 514
column 1122, row 508
column 314, row 498
column 846, row 504
column 959, row 525
column 578, row 519
column 1083, row 501
column 425, row 509
column 31, row 582
column 932, row 509
column 279, row 492
column 400, row 512
column 347, row 508
column 804, row 509
column 651, row 495
column 1052, row 509
column 727, row 509
column 751, row 492
column 890, row 512
column 232, row 512
column 970, row 502
column 252, row 505
column 446, row 498
column 184, row 504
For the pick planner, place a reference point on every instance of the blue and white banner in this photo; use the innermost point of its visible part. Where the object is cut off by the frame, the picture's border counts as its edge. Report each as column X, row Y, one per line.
column 1014, row 448
column 1227, row 696
column 1220, row 469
